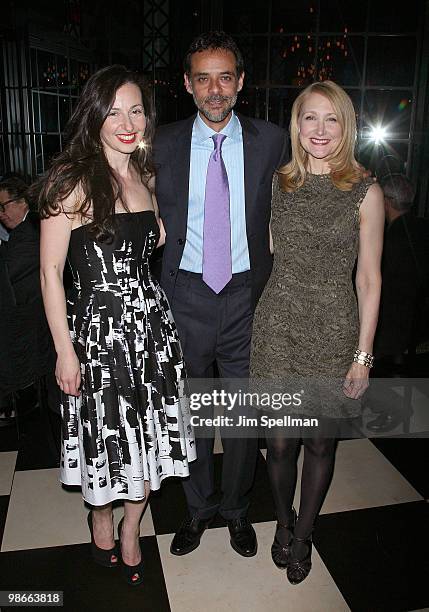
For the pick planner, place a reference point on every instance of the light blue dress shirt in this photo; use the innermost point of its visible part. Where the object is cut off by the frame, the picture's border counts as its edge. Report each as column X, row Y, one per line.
column 4, row 234
column 232, row 153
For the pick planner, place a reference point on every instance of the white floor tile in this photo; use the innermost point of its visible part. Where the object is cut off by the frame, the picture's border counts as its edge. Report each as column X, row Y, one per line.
column 218, row 448
column 42, row 514
column 243, row 585
column 7, row 468
column 363, row 478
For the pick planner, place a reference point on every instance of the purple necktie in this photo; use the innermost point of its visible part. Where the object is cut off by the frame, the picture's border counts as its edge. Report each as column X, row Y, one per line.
column 217, row 266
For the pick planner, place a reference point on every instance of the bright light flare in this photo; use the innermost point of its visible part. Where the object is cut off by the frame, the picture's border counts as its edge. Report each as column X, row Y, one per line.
column 378, row 134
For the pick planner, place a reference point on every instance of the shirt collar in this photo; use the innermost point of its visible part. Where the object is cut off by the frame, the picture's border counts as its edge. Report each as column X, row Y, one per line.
column 4, row 234
column 202, row 132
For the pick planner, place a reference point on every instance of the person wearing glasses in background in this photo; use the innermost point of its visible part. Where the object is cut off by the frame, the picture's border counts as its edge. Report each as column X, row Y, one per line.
column 22, row 246
column 25, row 344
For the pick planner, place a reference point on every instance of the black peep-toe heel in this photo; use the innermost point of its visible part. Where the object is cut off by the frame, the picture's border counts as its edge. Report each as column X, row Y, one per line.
column 133, row 573
column 106, row 558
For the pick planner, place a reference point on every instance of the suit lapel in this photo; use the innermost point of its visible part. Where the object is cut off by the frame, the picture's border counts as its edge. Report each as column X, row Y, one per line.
column 181, row 160
column 252, row 166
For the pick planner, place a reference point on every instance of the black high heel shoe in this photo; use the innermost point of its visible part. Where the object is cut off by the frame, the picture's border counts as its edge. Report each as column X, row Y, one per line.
column 106, row 558
column 298, row 569
column 280, row 553
column 133, row 573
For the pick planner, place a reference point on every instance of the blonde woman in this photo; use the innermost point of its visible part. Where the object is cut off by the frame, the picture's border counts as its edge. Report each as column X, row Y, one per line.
column 326, row 213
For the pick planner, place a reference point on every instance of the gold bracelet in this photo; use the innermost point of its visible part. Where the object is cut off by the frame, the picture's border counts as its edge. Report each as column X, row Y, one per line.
column 363, row 358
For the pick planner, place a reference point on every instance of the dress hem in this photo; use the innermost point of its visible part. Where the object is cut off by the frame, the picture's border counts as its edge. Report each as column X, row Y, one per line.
column 124, row 497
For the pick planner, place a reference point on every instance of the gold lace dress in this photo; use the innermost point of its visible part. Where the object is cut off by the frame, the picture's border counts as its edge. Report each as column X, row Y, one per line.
column 306, row 323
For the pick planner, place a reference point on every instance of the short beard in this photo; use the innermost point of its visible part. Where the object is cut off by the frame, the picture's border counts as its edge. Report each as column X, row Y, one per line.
column 220, row 115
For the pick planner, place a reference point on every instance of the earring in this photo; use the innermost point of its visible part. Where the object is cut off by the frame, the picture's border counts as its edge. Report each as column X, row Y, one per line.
column 142, row 144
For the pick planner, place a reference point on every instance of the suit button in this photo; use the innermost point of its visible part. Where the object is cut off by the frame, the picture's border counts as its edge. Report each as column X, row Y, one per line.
column 180, row 241
column 172, row 272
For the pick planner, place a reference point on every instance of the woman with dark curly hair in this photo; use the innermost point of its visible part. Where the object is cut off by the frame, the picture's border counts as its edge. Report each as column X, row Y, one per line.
column 119, row 361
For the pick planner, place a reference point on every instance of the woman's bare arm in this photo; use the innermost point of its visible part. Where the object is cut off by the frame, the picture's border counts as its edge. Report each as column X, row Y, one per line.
column 54, row 240
column 151, row 186
column 368, row 283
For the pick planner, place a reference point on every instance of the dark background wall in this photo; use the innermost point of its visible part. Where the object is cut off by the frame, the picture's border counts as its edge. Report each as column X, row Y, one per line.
column 378, row 50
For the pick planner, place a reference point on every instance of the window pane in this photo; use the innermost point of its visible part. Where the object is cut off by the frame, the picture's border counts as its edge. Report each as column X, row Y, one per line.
column 47, row 67
column 2, row 159
column 394, row 17
column 49, row 113
column 393, row 161
column 33, row 64
column 74, row 76
column 383, row 158
column 255, row 59
column 36, row 112
column 64, row 103
column 289, row 17
column 340, row 59
column 63, row 72
column 280, row 106
column 355, row 95
column 51, row 146
column 251, row 102
column 391, row 61
column 245, row 16
column 73, row 100
column 390, row 109
column 338, row 16
column 178, row 107
column 292, row 60
column 186, row 22
column 38, row 155
column 83, row 73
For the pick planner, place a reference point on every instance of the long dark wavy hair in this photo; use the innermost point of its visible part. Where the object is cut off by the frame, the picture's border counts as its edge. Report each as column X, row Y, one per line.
column 83, row 163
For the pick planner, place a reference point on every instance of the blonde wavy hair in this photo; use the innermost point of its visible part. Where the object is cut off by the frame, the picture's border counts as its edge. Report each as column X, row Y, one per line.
column 345, row 171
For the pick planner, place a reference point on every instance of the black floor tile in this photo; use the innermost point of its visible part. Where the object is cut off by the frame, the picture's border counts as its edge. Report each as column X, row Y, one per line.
column 168, row 506
column 9, row 438
column 378, row 556
column 171, row 495
column 4, row 505
column 35, row 451
column 262, row 505
column 410, row 457
column 86, row 586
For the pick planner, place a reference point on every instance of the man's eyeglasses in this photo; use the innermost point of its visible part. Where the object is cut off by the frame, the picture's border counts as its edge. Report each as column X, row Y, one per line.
column 3, row 204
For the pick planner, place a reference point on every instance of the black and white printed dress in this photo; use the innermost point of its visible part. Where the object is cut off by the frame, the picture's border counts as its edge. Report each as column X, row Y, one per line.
column 131, row 422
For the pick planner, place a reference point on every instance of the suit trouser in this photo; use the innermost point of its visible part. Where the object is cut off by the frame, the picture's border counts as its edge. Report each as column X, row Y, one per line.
column 216, row 329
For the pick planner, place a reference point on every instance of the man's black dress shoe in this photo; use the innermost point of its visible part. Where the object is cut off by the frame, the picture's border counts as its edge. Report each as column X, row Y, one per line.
column 386, row 421
column 243, row 537
column 188, row 536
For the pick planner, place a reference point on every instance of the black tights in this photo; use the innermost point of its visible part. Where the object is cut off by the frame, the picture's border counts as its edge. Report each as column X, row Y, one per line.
column 282, row 455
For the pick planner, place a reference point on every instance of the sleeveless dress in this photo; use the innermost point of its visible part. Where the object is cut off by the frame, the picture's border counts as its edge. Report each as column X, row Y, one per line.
column 306, row 324
column 131, row 422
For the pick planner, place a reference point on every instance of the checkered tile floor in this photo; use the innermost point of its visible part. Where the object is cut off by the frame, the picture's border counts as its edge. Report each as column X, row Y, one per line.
column 371, row 540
